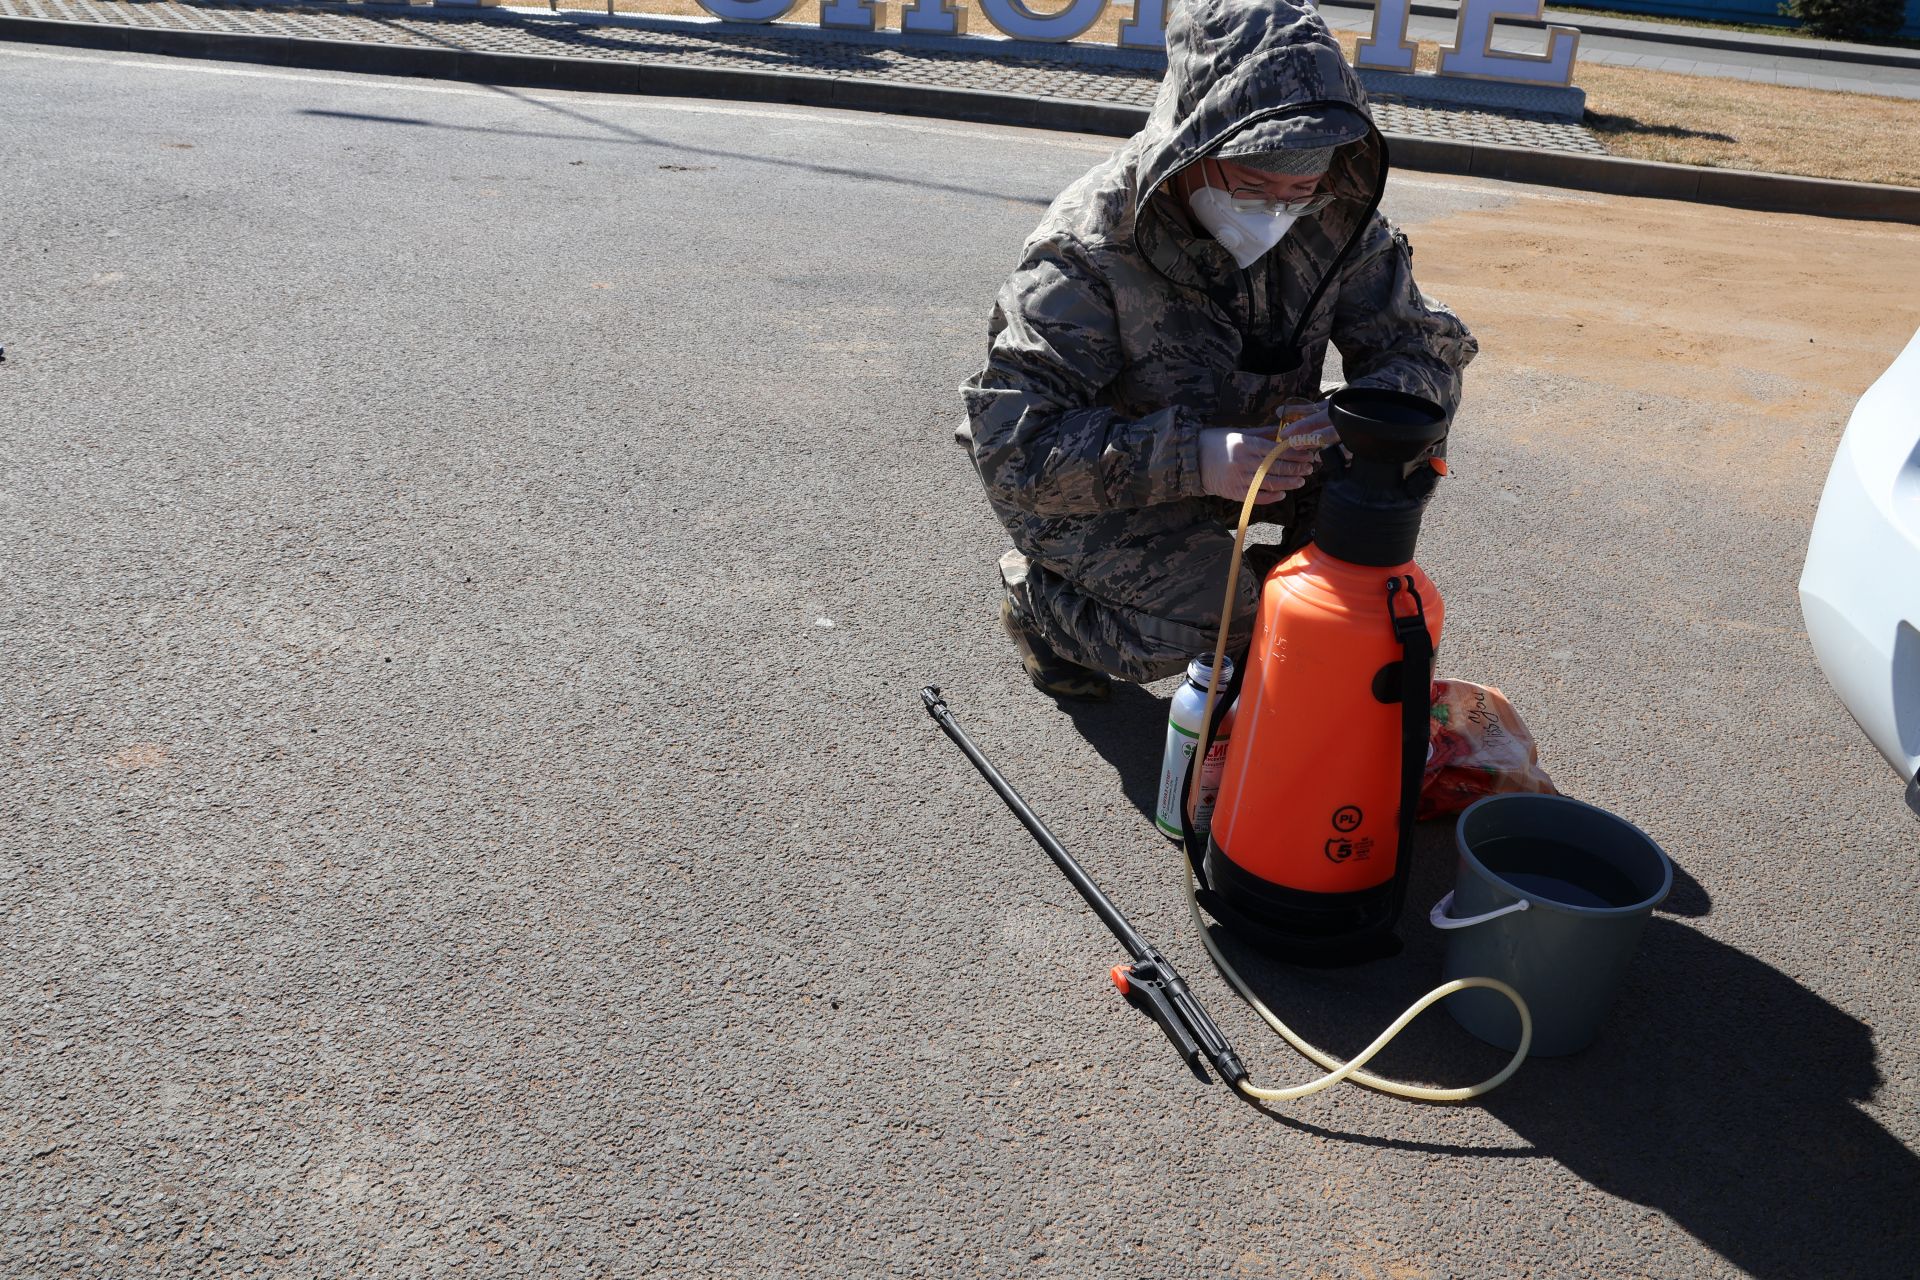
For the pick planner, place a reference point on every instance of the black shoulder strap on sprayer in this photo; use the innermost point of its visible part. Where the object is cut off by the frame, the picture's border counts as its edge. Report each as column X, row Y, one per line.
column 1416, row 709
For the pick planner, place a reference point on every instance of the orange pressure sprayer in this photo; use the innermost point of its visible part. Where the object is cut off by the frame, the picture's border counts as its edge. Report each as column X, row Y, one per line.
column 1322, row 776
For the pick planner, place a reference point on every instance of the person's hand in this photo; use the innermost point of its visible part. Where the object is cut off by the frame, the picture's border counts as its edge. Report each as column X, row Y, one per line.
column 1311, row 425
column 1229, row 458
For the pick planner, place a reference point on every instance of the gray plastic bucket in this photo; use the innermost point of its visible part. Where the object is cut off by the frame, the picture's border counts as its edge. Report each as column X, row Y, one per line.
column 1551, row 897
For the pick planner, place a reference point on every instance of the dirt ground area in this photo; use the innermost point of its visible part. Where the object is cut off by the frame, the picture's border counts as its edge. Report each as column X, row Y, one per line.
column 1782, row 319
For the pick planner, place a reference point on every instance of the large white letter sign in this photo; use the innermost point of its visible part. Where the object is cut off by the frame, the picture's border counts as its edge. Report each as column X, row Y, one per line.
column 933, row 18
column 1471, row 53
column 748, row 10
column 854, row 15
column 1147, row 28
column 1015, row 19
column 1387, row 46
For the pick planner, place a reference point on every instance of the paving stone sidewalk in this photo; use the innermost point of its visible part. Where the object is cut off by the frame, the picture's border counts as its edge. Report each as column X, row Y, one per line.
column 1805, row 64
column 570, row 36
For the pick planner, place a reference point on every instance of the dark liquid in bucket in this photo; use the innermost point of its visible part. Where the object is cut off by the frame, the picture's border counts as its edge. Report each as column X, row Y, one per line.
column 1559, row 872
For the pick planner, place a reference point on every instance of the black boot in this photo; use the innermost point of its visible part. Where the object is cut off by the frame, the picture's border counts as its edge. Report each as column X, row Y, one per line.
column 1051, row 674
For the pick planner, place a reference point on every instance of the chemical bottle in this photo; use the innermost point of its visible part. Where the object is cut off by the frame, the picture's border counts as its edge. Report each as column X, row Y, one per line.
column 1200, row 803
column 1183, row 730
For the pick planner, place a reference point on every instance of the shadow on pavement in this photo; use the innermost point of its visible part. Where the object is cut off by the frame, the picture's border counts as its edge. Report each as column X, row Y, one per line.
column 1721, row 1093
column 1627, row 124
column 1129, row 730
column 1688, row 897
column 624, row 135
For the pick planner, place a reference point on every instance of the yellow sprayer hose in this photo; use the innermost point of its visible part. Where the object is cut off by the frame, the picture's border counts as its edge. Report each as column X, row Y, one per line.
column 1336, row 1070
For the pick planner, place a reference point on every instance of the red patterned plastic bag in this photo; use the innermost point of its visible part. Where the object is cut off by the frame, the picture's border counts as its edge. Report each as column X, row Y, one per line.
column 1480, row 747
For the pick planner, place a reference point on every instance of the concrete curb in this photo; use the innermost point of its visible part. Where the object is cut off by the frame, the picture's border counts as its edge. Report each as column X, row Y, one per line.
column 1611, row 175
column 1698, row 37
column 1607, row 174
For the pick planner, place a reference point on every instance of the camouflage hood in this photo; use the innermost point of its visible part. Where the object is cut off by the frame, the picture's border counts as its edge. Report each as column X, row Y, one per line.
column 1126, row 330
column 1251, row 76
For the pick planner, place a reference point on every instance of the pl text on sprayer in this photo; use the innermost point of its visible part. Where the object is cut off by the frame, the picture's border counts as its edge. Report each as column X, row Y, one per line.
column 1386, row 47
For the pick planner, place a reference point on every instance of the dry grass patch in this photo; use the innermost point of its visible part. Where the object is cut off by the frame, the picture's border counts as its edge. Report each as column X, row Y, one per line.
column 1645, row 115
column 1736, row 124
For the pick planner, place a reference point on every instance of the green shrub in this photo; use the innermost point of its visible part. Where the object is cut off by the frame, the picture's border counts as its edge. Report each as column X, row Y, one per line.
column 1846, row 19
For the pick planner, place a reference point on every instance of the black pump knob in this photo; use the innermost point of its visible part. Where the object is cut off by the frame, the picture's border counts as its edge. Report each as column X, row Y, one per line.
column 1371, row 507
column 1386, row 426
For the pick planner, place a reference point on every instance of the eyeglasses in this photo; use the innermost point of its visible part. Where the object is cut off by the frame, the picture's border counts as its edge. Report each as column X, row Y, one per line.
column 1248, row 200
column 1254, row 200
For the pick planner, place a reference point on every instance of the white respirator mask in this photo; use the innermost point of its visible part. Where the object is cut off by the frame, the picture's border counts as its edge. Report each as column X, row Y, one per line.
column 1247, row 229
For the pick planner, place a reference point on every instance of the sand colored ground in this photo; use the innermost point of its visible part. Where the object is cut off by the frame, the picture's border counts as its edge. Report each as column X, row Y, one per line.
column 1648, row 115
column 1755, row 332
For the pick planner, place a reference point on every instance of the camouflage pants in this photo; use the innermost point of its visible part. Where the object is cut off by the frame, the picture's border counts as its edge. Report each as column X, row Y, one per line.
column 1137, row 594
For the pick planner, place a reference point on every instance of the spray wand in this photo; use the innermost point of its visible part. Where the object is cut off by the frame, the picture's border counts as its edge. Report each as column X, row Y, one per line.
column 1149, row 983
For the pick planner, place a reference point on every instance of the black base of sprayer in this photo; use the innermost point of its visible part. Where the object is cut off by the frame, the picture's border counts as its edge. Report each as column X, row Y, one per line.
column 1300, row 927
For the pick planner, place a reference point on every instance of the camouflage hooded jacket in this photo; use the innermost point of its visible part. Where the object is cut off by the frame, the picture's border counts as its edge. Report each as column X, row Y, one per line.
column 1126, row 330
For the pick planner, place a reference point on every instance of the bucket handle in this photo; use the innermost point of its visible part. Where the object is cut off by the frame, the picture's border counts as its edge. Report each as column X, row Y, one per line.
column 1441, row 920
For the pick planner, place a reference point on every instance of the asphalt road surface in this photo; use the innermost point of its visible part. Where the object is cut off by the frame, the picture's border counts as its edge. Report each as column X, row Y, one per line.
column 471, row 558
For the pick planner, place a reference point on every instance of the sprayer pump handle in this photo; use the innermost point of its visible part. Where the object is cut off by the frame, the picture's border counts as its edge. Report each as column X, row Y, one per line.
column 1379, row 424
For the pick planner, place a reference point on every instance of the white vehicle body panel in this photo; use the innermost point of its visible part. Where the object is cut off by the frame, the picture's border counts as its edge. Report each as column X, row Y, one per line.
column 1860, row 590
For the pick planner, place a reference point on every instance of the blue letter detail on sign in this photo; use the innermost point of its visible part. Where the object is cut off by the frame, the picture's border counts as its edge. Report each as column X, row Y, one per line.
column 748, row 10
column 854, row 15
column 934, row 18
column 1015, row 19
column 1472, row 54
column 1387, row 46
column 1147, row 28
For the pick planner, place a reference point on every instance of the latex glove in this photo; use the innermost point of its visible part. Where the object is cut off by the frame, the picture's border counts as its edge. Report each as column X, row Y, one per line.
column 1313, row 428
column 1229, row 458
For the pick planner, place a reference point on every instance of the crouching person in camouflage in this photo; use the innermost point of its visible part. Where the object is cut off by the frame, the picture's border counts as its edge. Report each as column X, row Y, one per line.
column 1168, row 306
